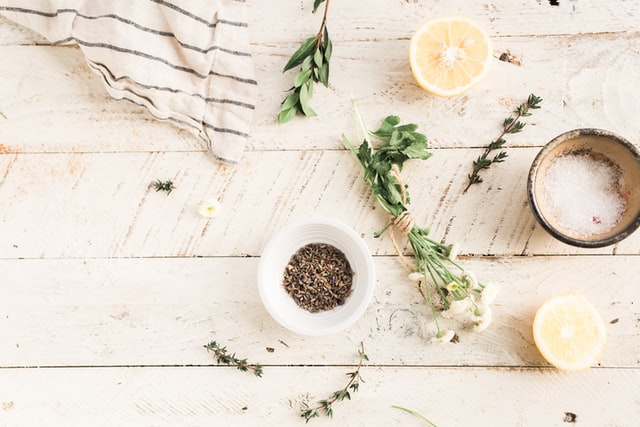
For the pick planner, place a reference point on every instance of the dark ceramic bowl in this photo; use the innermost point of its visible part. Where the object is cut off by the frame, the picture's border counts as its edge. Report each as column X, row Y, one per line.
column 605, row 148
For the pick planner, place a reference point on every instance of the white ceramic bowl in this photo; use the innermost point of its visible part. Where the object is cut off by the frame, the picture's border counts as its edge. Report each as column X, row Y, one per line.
column 276, row 256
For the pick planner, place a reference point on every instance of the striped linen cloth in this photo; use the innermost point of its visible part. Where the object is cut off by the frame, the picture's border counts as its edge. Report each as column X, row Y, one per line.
column 184, row 60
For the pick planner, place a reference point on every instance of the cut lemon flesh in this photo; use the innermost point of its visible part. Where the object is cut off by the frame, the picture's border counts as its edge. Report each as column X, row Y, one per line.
column 449, row 55
column 569, row 332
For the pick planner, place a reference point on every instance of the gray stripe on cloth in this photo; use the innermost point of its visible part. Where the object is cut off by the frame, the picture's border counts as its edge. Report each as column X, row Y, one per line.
column 128, row 22
column 189, row 61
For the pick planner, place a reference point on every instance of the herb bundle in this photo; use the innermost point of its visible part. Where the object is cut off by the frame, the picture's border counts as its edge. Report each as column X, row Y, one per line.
column 325, row 405
column 224, row 358
column 313, row 57
column 511, row 124
column 440, row 279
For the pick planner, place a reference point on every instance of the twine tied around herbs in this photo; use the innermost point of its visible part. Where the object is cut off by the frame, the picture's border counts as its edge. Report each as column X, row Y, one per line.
column 405, row 221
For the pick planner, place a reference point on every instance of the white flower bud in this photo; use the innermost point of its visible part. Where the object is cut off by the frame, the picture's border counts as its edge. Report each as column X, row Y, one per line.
column 209, row 208
column 452, row 286
column 416, row 276
column 480, row 310
column 489, row 293
column 482, row 322
column 443, row 336
column 454, row 251
column 457, row 308
column 469, row 278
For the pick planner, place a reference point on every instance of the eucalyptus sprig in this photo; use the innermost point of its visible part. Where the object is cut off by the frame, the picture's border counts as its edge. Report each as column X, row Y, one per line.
column 435, row 269
column 326, row 405
column 313, row 57
column 223, row 357
column 511, row 124
column 163, row 186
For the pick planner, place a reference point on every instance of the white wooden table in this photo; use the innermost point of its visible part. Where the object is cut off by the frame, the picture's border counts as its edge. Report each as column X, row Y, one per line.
column 109, row 290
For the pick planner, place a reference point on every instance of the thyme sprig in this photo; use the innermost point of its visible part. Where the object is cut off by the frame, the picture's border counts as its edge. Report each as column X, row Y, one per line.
column 313, row 57
column 435, row 269
column 223, row 357
column 163, row 186
column 511, row 124
column 326, row 405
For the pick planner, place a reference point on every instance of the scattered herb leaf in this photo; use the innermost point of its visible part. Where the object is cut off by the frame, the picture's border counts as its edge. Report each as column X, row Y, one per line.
column 416, row 414
column 223, row 357
column 325, row 406
column 511, row 124
column 163, row 186
column 312, row 57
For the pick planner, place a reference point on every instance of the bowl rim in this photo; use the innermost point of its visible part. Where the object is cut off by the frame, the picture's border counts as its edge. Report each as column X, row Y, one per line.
column 537, row 213
column 271, row 249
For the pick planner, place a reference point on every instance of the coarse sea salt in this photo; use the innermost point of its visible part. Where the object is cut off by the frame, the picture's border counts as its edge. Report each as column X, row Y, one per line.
column 583, row 193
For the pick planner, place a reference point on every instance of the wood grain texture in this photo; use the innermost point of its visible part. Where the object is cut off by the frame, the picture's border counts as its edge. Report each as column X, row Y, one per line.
column 109, row 290
column 583, row 80
column 76, row 204
column 138, row 312
column 190, row 396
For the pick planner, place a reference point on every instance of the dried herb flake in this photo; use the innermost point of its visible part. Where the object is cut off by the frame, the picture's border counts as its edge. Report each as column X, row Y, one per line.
column 318, row 277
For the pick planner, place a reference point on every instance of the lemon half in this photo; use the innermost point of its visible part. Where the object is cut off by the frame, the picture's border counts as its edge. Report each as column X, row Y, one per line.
column 569, row 332
column 449, row 55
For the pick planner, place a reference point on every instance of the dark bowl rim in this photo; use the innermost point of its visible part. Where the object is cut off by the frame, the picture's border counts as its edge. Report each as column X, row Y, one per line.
column 558, row 140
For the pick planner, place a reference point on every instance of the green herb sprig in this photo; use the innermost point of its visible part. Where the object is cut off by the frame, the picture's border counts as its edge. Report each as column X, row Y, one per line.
column 511, row 124
column 326, row 405
column 223, row 357
column 435, row 269
column 163, row 186
column 313, row 57
column 415, row 414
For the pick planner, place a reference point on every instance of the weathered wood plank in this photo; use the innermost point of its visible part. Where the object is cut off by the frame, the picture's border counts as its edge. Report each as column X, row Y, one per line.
column 583, row 80
column 80, row 205
column 221, row 396
column 105, row 312
column 399, row 18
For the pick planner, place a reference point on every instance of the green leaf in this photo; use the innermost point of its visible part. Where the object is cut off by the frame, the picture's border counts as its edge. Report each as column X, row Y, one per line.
column 290, row 101
column 305, row 49
column 394, row 195
column 417, row 151
column 301, row 78
column 304, row 100
column 318, row 58
column 327, row 45
column 286, row 115
column 306, row 64
column 365, row 154
column 386, row 128
column 323, row 74
column 316, row 4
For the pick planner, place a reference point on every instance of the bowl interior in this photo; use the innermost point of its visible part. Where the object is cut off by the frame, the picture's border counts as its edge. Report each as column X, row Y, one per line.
column 600, row 145
column 276, row 256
